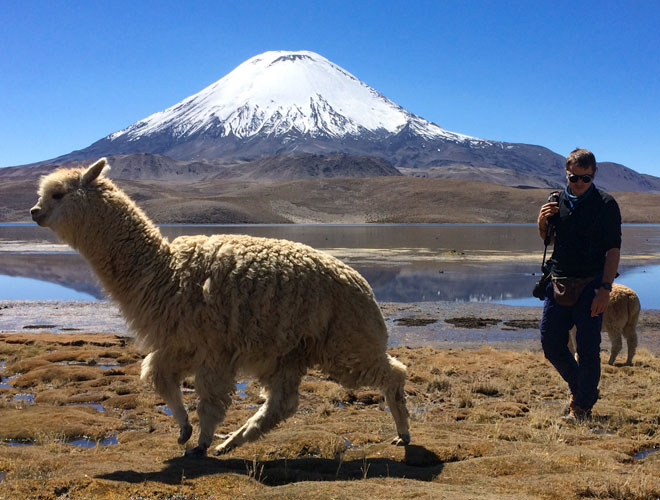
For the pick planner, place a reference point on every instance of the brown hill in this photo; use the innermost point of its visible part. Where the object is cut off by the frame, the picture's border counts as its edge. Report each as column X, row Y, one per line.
column 304, row 166
column 340, row 200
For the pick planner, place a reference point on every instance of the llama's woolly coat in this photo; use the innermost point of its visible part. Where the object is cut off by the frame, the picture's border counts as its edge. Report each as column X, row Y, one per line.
column 221, row 305
column 255, row 295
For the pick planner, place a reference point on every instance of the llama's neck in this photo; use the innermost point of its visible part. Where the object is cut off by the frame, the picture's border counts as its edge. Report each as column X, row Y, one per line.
column 126, row 251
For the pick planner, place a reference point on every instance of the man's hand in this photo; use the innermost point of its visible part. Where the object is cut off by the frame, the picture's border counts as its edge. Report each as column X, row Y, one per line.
column 547, row 211
column 600, row 302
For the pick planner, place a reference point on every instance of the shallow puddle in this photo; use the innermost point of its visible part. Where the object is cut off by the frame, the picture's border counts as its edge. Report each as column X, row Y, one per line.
column 19, row 443
column 89, row 443
column 165, row 409
column 241, row 387
column 4, row 380
column 24, row 397
column 81, row 442
column 645, row 452
column 96, row 406
column 110, row 366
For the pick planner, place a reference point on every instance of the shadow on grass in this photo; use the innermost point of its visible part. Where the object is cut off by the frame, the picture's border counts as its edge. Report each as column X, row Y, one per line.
column 419, row 463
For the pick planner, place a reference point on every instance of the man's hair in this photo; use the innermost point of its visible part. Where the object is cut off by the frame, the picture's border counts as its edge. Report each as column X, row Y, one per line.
column 582, row 158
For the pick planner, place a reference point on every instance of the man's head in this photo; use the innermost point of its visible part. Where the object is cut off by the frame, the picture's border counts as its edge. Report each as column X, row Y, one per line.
column 580, row 170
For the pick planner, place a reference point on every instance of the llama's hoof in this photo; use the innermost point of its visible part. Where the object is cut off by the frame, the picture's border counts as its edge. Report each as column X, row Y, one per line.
column 196, row 452
column 184, row 434
column 222, row 449
column 403, row 440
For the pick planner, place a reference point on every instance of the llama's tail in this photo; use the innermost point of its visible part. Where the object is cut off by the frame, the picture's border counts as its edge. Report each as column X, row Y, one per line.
column 634, row 308
column 147, row 367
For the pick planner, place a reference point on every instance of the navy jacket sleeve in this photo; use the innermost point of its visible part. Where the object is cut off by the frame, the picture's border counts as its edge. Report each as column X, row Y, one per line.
column 612, row 221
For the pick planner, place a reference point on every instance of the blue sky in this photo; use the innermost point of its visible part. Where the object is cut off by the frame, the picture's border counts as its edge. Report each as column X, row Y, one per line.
column 560, row 74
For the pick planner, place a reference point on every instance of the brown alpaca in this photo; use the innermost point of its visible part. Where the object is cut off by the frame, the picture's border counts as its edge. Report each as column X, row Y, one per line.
column 219, row 306
column 619, row 320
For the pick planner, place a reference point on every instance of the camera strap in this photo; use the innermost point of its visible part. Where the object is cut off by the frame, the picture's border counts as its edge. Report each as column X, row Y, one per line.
column 548, row 236
column 545, row 249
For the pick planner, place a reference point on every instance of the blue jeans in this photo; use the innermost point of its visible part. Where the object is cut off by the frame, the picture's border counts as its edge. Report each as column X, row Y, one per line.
column 583, row 376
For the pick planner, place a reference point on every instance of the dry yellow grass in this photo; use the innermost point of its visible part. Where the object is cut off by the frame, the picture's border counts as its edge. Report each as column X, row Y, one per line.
column 485, row 424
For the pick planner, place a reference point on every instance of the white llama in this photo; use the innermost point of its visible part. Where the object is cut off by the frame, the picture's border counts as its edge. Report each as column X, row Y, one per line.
column 219, row 306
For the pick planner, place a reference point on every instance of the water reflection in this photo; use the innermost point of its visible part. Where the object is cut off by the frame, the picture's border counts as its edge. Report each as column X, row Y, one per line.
column 91, row 443
column 22, row 288
column 403, row 263
column 642, row 279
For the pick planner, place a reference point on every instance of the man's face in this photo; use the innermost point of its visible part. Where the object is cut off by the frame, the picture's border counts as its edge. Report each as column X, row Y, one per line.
column 576, row 179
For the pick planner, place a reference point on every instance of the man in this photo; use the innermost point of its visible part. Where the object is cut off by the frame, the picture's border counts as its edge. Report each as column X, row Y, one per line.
column 585, row 225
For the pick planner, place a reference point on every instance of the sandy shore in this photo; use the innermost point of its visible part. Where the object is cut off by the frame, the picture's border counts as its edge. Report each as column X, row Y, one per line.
column 435, row 324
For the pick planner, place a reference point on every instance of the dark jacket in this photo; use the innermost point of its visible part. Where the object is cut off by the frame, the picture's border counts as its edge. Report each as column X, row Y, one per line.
column 584, row 233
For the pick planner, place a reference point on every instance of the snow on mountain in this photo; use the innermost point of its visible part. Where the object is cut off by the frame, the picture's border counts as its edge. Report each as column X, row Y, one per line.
column 281, row 92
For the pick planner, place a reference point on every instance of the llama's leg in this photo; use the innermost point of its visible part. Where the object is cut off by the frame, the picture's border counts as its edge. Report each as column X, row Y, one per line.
column 631, row 341
column 168, row 387
column 395, row 397
column 389, row 375
column 281, row 402
column 617, row 343
column 214, row 389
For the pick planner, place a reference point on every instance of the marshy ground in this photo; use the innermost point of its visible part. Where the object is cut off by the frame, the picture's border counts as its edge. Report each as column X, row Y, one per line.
column 75, row 422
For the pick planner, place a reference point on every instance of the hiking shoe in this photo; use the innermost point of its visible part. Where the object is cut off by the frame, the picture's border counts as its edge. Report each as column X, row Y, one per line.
column 567, row 409
column 577, row 414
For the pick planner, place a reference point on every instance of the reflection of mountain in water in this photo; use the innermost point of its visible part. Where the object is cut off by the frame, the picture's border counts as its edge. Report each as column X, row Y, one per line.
column 469, row 284
column 65, row 269
column 390, row 284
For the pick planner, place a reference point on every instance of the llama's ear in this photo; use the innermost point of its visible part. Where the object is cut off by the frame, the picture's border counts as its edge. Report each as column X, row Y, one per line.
column 94, row 170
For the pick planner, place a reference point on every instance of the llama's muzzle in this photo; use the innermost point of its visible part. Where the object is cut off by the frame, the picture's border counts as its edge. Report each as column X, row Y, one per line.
column 36, row 214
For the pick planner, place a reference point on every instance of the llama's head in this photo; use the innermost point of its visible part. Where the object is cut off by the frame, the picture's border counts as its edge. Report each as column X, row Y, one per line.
column 66, row 196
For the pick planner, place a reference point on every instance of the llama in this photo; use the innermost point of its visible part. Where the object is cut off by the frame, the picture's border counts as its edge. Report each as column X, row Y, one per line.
column 221, row 306
column 620, row 319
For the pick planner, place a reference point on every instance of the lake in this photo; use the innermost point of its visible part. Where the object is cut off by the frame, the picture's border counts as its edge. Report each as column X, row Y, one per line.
column 403, row 263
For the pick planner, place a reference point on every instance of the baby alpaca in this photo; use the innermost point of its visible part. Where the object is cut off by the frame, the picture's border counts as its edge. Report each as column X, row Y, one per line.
column 619, row 319
column 226, row 305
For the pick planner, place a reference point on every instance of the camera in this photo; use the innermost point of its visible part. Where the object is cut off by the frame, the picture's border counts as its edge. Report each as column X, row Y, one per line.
column 540, row 286
column 553, row 197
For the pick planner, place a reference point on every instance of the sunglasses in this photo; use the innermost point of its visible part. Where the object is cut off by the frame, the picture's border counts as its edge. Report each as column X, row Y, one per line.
column 585, row 178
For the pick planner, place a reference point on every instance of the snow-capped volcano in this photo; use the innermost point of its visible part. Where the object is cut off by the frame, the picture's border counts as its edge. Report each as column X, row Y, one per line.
column 292, row 103
column 282, row 115
column 278, row 93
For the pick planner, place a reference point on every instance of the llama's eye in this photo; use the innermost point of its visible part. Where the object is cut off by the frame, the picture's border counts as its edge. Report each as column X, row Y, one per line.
column 58, row 196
